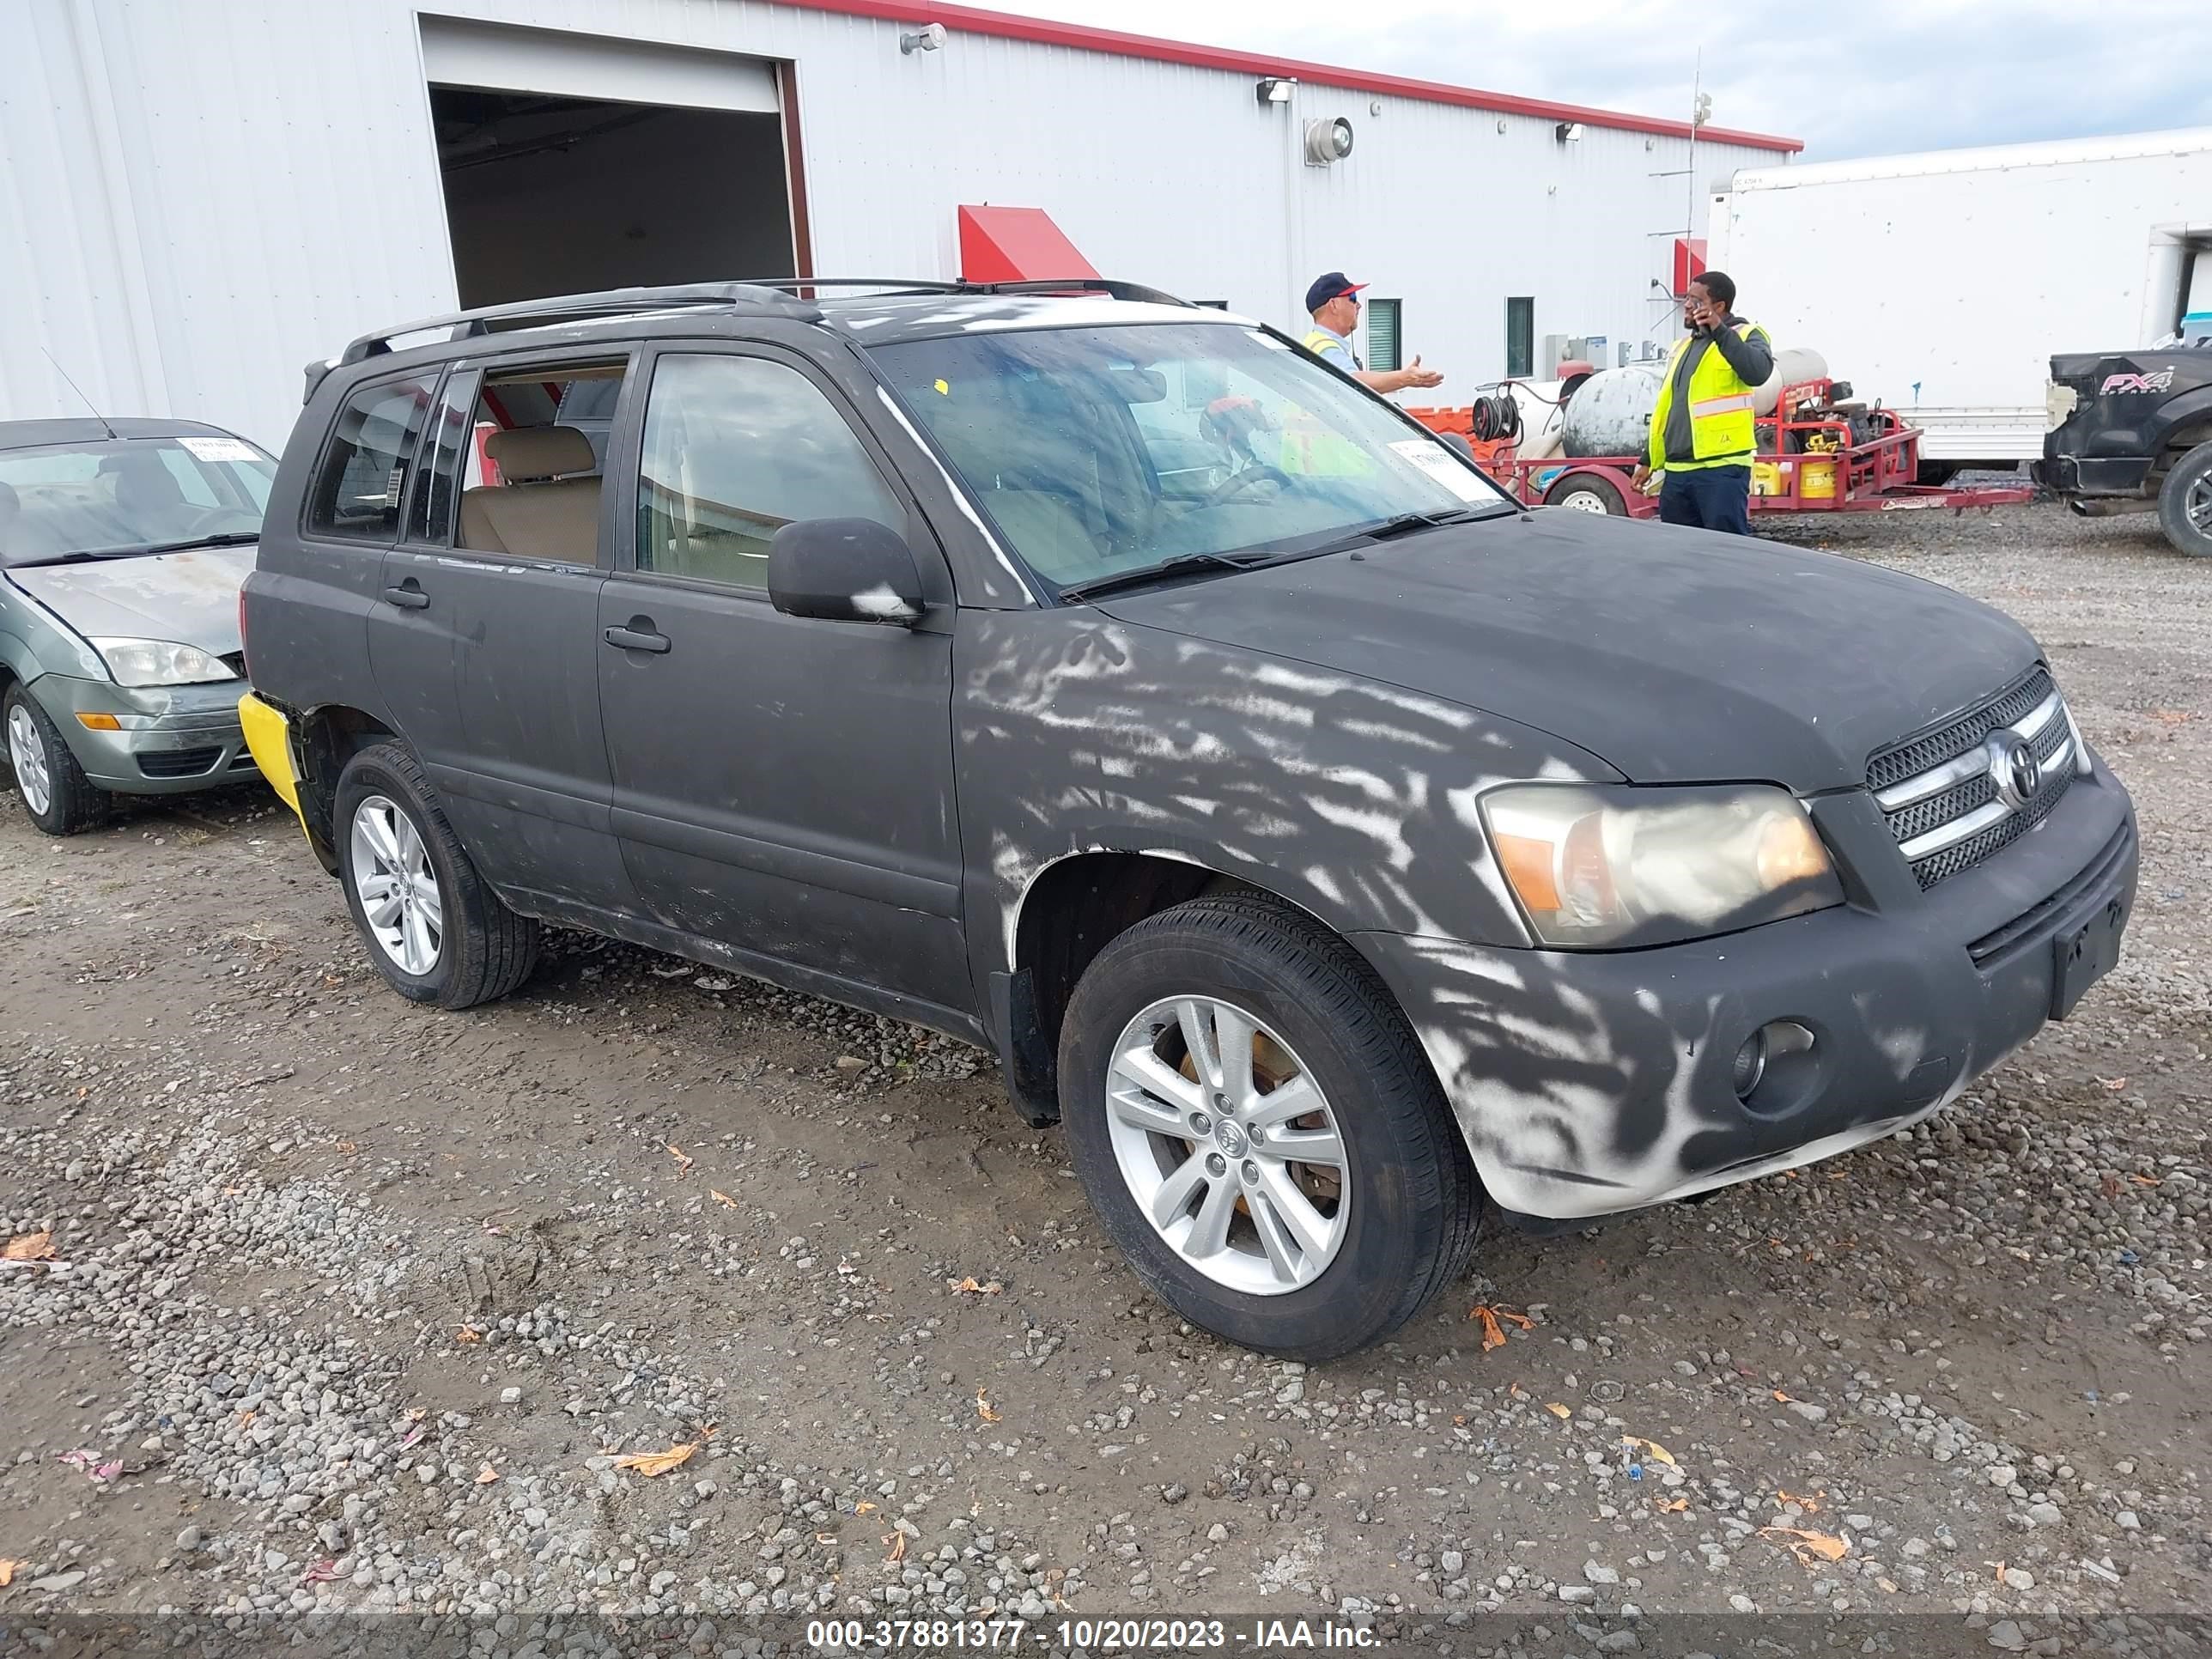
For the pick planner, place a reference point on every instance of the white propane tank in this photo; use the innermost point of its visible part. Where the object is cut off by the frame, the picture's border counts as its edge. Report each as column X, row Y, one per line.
column 1610, row 413
column 1792, row 364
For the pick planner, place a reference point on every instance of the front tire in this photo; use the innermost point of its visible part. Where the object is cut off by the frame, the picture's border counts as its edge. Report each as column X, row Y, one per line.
column 1259, row 1132
column 434, row 928
column 2184, row 503
column 56, row 795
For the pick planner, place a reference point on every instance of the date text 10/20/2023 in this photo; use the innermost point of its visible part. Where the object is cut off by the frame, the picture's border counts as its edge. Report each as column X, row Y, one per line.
column 856, row 1636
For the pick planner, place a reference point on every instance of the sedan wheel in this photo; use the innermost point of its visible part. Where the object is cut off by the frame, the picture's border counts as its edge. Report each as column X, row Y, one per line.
column 397, row 887
column 56, row 795
column 26, row 753
column 1228, row 1146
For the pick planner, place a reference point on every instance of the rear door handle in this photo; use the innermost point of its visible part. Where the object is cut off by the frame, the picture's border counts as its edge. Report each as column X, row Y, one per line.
column 637, row 639
column 408, row 595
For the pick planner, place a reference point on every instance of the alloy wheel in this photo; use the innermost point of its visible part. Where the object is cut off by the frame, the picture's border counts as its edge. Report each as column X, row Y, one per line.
column 26, row 753
column 1228, row 1146
column 397, row 887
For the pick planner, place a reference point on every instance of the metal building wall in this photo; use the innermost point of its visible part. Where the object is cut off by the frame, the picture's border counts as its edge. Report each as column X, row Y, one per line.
column 199, row 198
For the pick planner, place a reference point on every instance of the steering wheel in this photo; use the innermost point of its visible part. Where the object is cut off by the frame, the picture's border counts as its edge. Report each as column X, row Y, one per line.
column 1238, row 483
column 210, row 520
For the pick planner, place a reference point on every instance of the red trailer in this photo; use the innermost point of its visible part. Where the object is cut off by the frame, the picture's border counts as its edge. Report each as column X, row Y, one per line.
column 1814, row 456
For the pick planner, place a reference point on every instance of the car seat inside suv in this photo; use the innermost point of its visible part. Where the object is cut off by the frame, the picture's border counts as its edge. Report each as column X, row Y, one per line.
column 538, row 512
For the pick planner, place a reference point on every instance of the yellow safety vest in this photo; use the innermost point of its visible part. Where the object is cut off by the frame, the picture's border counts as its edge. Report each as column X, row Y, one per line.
column 1321, row 342
column 1721, row 417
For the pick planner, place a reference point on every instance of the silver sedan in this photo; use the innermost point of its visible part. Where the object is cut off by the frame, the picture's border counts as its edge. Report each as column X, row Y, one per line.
column 122, row 544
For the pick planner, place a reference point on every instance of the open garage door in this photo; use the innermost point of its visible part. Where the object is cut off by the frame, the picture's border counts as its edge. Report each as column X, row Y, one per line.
column 575, row 162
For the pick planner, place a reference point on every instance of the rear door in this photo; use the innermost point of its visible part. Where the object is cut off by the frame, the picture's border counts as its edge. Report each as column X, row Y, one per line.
column 781, row 784
column 487, row 661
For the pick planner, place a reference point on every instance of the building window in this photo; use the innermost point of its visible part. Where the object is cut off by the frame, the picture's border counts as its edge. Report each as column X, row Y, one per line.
column 1383, row 335
column 1521, row 336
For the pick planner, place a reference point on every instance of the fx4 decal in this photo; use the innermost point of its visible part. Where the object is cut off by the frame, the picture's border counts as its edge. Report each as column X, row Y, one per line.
column 2159, row 381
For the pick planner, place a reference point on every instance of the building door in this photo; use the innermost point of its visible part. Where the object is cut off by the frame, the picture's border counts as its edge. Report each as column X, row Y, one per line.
column 1521, row 336
column 573, row 163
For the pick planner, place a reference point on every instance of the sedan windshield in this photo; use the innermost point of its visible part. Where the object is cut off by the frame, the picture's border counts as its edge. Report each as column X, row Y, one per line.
column 117, row 497
column 1100, row 450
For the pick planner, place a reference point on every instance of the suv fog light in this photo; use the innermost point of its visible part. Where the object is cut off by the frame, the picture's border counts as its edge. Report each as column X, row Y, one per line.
column 1750, row 1064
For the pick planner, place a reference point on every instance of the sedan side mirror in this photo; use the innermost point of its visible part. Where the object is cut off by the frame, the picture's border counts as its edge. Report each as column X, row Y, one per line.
column 844, row 570
column 1458, row 440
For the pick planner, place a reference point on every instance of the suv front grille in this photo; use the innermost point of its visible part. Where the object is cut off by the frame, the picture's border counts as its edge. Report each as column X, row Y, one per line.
column 1950, row 797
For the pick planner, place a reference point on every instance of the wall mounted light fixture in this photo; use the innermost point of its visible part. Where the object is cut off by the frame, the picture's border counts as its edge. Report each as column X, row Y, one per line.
column 928, row 38
column 1276, row 88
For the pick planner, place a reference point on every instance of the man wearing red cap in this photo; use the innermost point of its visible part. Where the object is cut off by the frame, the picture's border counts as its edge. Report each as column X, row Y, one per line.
column 1333, row 304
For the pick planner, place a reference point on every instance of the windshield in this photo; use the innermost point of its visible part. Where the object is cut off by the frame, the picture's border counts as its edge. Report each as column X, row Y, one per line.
column 115, row 497
column 1100, row 450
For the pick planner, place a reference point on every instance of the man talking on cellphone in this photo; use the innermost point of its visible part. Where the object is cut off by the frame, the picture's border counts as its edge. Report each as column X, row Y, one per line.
column 1702, row 433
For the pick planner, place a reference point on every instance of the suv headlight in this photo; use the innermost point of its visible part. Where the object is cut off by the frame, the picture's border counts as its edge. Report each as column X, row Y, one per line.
column 1605, row 867
column 161, row 662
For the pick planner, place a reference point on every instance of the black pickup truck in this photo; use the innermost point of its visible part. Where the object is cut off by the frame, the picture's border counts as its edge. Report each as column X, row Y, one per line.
column 2131, row 431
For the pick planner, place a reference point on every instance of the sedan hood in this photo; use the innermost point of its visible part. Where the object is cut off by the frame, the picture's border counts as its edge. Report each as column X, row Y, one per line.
column 1676, row 655
column 190, row 597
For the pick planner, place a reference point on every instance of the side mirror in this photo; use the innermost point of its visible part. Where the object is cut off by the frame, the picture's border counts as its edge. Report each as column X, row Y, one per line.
column 1458, row 440
column 844, row 570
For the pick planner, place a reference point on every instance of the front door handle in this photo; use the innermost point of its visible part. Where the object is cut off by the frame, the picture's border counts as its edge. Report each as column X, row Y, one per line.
column 408, row 595
column 638, row 638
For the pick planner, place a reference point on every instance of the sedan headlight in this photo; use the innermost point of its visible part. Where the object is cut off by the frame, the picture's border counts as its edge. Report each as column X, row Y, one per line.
column 1599, row 868
column 161, row 662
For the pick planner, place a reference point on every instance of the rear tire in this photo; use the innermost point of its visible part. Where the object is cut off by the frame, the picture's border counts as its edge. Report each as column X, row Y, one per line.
column 434, row 928
column 2184, row 503
column 1585, row 492
column 1392, row 1220
column 56, row 795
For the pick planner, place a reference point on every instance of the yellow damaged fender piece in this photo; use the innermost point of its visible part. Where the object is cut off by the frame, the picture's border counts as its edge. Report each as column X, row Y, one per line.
column 269, row 737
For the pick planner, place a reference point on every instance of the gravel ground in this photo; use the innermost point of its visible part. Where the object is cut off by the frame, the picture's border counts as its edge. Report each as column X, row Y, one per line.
column 355, row 1306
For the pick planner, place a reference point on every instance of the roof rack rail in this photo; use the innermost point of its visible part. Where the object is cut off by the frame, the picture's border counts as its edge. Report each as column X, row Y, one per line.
column 1111, row 287
column 612, row 302
column 771, row 293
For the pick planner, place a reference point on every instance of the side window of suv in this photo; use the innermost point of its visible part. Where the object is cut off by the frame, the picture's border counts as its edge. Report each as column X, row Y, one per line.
column 735, row 448
column 363, row 480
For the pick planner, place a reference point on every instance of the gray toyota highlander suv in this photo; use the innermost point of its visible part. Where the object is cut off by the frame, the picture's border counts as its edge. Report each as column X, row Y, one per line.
column 1334, row 846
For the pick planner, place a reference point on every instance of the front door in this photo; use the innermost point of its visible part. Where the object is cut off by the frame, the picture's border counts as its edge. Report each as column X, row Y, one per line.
column 484, row 639
column 782, row 785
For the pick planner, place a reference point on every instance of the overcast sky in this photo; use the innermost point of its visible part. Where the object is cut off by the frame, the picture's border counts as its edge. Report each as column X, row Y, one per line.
column 1852, row 77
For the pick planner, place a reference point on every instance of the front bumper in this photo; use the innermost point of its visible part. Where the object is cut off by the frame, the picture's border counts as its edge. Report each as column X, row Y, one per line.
column 1588, row 1084
column 167, row 739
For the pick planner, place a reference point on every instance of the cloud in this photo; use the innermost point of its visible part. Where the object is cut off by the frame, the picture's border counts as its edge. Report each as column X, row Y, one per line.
column 1876, row 77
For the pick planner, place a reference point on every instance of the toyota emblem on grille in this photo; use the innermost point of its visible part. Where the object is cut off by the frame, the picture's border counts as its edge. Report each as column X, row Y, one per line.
column 2015, row 769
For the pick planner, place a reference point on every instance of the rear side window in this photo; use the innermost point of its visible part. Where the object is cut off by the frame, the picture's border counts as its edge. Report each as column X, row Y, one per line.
column 363, row 480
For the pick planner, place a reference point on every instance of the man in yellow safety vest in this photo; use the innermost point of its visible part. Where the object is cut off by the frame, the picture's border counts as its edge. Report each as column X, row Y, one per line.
column 1332, row 302
column 1701, row 434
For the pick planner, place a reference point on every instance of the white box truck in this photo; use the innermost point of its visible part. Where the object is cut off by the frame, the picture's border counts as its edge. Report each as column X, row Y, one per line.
column 1941, row 283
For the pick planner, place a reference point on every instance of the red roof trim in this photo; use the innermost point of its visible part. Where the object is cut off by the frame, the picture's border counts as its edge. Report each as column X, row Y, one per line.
column 972, row 20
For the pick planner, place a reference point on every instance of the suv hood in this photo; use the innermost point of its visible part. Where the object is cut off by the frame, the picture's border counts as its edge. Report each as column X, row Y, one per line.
column 1675, row 655
column 190, row 598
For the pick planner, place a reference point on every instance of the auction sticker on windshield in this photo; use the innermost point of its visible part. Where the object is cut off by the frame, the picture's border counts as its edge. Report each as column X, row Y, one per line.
column 1440, row 466
column 220, row 449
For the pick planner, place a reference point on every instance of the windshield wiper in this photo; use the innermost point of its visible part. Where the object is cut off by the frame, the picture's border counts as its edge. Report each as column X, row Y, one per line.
column 1183, row 564
column 228, row 539
column 1404, row 523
